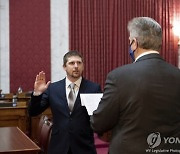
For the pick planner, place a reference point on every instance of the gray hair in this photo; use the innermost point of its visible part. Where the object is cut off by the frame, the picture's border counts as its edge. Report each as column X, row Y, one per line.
column 147, row 32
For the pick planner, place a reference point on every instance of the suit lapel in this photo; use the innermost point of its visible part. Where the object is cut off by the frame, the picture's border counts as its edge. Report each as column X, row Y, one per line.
column 63, row 94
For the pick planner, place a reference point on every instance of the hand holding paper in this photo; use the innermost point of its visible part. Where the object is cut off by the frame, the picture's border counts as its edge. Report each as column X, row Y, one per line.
column 91, row 101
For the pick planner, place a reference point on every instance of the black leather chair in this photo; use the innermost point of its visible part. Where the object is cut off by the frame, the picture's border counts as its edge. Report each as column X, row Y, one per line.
column 41, row 122
column 44, row 133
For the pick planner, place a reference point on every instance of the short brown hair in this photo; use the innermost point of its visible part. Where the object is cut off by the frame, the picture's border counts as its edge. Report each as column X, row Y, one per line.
column 70, row 54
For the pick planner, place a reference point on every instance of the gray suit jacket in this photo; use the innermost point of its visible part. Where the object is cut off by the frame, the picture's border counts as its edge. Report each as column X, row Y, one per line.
column 141, row 105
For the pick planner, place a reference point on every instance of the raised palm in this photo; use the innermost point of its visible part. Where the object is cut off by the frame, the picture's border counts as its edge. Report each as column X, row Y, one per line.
column 40, row 84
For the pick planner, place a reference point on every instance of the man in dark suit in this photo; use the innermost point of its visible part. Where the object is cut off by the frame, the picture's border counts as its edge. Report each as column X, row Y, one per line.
column 71, row 131
column 141, row 101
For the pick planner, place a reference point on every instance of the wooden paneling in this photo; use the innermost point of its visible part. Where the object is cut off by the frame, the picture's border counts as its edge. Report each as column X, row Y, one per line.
column 14, row 116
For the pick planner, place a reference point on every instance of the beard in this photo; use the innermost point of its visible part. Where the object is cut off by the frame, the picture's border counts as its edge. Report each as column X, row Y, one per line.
column 76, row 74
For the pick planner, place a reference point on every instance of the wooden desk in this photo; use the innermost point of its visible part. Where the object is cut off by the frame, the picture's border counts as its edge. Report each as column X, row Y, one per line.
column 24, row 96
column 14, row 116
column 7, row 96
column 13, row 140
column 18, row 117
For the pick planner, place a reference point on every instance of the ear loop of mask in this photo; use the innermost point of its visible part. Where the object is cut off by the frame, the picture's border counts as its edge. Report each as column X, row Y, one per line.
column 131, row 52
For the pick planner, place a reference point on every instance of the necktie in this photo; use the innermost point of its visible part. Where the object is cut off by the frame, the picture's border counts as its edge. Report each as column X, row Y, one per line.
column 71, row 96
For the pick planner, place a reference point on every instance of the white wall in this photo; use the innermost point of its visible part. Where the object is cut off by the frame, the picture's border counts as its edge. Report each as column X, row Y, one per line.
column 4, row 46
column 59, row 37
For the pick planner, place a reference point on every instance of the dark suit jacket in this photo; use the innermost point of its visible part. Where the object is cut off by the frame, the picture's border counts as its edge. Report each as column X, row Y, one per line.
column 69, row 130
column 140, row 99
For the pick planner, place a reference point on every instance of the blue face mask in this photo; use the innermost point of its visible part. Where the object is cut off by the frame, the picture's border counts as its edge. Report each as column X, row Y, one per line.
column 131, row 52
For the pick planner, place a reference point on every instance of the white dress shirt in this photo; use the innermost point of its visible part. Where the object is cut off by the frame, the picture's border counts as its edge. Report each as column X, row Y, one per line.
column 146, row 53
column 76, row 88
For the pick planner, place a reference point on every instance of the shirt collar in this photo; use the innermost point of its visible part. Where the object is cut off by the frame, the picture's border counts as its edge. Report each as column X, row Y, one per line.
column 146, row 53
column 77, row 82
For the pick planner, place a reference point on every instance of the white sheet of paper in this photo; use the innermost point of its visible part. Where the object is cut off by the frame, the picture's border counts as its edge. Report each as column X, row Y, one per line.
column 91, row 101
